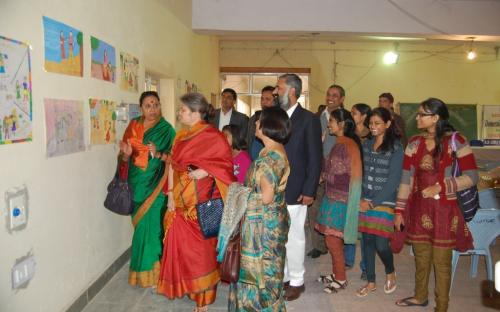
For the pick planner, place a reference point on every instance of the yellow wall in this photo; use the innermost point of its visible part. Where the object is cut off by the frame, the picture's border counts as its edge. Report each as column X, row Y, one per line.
column 361, row 72
column 73, row 238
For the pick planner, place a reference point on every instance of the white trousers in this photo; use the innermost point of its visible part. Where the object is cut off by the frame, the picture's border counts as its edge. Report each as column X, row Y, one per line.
column 296, row 246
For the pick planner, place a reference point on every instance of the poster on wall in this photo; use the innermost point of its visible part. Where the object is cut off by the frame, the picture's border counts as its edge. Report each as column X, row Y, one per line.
column 103, row 60
column 491, row 124
column 64, row 127
column 102, row 121
column 130, row 72
column 63, row 48
column 134, row 110
column 15, row 92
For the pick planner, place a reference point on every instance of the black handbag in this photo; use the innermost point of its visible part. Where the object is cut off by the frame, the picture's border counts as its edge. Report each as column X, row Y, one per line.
column 468, row 199
column 119, row 197
column 209, row 214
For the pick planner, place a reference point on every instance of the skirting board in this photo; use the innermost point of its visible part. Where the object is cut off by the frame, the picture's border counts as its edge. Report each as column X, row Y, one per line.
column 99, row 284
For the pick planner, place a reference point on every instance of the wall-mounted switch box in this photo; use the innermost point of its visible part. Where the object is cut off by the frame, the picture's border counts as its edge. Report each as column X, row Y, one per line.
column 23, row 271
column 17, row 208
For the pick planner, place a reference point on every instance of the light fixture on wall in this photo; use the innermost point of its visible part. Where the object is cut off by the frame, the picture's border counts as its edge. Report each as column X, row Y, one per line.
column 471, row 52
column 391, row 57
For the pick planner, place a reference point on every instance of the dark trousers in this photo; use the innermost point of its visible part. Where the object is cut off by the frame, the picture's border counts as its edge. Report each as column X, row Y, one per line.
column 377, row 244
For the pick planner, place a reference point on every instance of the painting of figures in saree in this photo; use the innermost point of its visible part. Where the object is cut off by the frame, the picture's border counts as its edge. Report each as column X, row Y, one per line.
column 102, row 121
column 103, row 65
column 63, row 48
column 64, row 127
column 130, row 72
column 15, row 92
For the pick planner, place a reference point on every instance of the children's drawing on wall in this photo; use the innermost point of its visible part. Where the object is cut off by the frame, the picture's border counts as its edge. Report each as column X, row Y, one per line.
column 103, row 60
column 130, row 72
column 64, row 127
column 134, row 111
column 15, row 92
column 191, row 87
column 102, row 121
column 63, row 48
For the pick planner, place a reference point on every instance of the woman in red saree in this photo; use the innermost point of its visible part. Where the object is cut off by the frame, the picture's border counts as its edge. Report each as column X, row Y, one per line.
column 200, row 156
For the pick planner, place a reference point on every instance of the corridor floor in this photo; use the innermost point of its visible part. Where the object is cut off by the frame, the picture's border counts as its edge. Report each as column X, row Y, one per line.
column 467, row 294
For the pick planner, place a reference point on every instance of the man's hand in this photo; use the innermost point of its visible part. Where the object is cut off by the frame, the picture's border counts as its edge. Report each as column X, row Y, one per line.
column 306, row 200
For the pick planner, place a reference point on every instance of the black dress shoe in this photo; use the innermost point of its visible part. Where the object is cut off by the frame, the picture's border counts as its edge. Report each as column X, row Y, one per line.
column 293, row 292
column 315, row 253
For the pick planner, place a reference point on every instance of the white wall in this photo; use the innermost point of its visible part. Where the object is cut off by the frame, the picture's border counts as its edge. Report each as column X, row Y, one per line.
column 410, row 17
column 74, row 239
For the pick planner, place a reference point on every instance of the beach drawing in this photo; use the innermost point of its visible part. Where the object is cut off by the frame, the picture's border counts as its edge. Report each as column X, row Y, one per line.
column 63, row 48
column 103, row 65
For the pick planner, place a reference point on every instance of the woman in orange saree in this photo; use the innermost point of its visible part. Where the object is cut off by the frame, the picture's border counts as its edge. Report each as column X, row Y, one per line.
column 200, row 157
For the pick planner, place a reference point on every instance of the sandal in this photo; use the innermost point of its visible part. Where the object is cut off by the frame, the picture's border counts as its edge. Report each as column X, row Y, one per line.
column 365, row 290
column 334, row 286
column 407, row 303
column 326, row 279
column 390, row 286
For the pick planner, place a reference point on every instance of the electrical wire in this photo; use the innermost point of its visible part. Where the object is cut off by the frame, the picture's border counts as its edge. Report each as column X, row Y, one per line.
column 415, row 18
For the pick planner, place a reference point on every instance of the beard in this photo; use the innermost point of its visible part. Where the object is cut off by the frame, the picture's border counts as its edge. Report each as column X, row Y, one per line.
column 284, row 100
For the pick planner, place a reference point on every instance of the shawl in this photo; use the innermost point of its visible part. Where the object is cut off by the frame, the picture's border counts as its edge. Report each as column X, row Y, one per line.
column 234, row 209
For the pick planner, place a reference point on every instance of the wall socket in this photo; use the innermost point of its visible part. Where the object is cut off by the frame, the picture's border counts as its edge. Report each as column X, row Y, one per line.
column 17, row 208
column 23, row 271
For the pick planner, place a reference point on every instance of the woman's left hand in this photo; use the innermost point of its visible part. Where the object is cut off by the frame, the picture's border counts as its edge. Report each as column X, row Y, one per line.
column 198, row 174
column 431, row 191
column 152, row 148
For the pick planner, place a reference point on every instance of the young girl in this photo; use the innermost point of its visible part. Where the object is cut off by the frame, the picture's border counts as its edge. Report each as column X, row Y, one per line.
column 338, row 215
column 241, row 159
column 361, row 113
column 383, row 165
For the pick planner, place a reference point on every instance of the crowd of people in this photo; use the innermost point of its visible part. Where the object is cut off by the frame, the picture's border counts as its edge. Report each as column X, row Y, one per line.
column 353, row 175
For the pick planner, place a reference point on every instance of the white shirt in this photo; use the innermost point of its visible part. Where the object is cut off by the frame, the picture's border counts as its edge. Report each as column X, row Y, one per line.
column 224, row 119
column 291, row 109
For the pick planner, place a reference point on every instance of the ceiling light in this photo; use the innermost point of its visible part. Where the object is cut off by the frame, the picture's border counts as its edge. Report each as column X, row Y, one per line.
column 471, row 53
column 391, row 57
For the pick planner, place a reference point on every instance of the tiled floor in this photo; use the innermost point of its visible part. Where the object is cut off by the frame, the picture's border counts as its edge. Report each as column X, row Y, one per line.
column 466, row 294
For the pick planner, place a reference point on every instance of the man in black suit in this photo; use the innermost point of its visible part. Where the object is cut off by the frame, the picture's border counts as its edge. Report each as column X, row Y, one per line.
column 253, row 143
column 228, row 115
column 304, row 155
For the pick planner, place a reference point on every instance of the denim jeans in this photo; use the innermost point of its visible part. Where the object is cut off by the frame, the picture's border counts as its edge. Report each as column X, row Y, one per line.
column 349, row 254
column 377, row 244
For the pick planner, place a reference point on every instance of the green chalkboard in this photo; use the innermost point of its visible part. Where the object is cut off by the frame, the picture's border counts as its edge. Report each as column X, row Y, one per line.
column 462, row 116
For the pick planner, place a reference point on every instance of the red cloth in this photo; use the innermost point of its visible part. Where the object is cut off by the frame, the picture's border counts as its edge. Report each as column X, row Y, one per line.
column 439, row 222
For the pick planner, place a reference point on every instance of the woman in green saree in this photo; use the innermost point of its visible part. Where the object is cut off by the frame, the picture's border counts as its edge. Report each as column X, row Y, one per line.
column 144, row 152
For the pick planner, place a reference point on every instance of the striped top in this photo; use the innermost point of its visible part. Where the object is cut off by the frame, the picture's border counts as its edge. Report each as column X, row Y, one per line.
column 449, row 184
column 382, row 174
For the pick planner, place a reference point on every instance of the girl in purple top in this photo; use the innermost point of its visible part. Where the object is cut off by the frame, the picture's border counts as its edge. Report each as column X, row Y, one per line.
column 241, row 159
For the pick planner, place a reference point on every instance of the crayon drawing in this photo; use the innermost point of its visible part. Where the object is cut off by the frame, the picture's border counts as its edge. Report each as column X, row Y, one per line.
column 64, row 127
column 130, row 69
column 15, row 92
column 102, row 121
column 103, row 64
column 63, row 48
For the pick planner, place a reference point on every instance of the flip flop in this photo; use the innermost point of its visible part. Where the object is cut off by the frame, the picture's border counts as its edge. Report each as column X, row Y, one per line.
column 407, row 303
column 364, row 291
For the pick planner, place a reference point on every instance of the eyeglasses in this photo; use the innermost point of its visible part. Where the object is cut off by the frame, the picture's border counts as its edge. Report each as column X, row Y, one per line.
column 420, row 115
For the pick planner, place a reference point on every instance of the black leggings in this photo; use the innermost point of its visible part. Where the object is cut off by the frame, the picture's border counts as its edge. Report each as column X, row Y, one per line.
column 379, row 244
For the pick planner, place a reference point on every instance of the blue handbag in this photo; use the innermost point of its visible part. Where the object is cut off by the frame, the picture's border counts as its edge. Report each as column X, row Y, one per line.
column 209, row 214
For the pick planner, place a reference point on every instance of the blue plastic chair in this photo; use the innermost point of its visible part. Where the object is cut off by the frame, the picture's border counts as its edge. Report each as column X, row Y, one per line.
column 485, row 227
